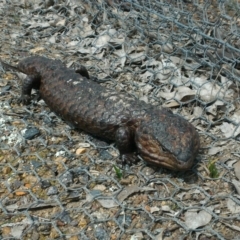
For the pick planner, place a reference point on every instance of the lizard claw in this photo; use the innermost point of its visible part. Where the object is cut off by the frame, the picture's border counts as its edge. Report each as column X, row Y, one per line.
column 128, row 158
column 25, row 99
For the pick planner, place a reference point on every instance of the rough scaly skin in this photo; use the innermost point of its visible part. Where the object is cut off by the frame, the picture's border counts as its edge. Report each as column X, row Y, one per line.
column 157, row 135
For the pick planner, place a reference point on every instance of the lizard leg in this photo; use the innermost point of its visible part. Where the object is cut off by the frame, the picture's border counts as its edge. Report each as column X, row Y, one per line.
column 29, row 83
column 83, row 71
column 126, row 146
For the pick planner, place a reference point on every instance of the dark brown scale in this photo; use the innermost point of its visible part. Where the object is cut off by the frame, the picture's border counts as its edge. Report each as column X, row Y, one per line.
column 157, row 135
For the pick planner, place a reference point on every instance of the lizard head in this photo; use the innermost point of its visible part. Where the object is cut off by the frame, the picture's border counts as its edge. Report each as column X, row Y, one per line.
column 167, row 140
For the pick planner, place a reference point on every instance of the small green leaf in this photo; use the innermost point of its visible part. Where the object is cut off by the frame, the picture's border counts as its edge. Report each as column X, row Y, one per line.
column 213, row 170
column 118, row 172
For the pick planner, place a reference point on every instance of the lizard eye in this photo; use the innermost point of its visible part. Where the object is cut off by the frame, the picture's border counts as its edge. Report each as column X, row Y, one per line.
column 164, row 149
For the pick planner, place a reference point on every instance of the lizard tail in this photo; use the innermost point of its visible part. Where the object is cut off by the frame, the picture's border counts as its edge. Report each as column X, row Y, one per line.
column 8, row 66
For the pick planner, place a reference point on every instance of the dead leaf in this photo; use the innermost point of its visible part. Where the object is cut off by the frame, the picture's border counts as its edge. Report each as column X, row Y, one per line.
column 39, row 25
column 229, row 130
column 154, row 209
column 179, row 81
column 137, row 236
column 210, row 91
column 126, row 192
column 61, row 22
column 136, row 57
column 236, row 116
column 52, row 39
column 234, row 227
column 166, row 208
column 177, row 60
column 144, row 98
column 170, row 104
column 232, row 206
column 167, row 70
column 164, row 70
column 214, row 150
column 236, row 185
column 214, row 108
column 147, row 76
column 230, row 162
column 108, row 203
column 37, row 50
column 122, row 56
column 101, row 41
column 84, row 145
column 18, row 227
column 151, row 63
column 195, row 218
column 237, row 169
column 197, row 111
column 12, row 207
column 181, row 93
column 167, row 47
column 84, row 50
column 110, row 36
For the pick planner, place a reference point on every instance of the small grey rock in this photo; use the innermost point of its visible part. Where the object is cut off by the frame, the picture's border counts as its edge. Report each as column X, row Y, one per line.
column 30, row 133
column 52, row 191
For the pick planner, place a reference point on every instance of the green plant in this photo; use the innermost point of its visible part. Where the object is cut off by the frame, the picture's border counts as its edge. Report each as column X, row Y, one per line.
column 118, row 172
column 213, row 172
